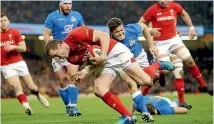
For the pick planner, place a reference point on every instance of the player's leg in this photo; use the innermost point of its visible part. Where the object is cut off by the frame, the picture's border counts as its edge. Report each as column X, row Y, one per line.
column 73, row 90
column 12, row 78
column 27, row 79
column 61, row 75
column 179, row 80
column 137, row 97
column 24, row 74
column 102, row 84
column 143, row 63
column 183, row 53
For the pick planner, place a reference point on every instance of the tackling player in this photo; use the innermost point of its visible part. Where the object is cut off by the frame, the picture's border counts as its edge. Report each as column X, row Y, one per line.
column 59, row 23
column 163, row 16
column 14, row 67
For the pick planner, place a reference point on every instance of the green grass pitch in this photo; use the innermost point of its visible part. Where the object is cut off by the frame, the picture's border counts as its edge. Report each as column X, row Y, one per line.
column 96, row 112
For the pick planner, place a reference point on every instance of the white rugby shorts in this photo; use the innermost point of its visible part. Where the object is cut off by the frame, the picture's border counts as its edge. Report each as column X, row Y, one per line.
column 119, row 59
column 18, row 68
column 166, row 46
column 142, row 59
column 57, row 64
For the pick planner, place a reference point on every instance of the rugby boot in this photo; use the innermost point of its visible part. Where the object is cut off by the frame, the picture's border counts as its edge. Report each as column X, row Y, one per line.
column 43, row 100
column 29, row 111
column 147, row 117
column 74, row 111
column 127, row 120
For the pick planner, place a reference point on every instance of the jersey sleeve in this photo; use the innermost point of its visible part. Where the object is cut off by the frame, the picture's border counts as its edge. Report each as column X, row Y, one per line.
column 81, row 34
column 49, row 22
column 18, row 37
column 166, row 110
column 148, row 15
column 81, row 22
column 136, row 28
column 178, row 8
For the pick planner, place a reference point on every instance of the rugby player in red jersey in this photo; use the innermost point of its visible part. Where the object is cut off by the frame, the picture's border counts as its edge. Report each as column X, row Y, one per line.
column 163, row 16
column 115, row 58
column 13, row 67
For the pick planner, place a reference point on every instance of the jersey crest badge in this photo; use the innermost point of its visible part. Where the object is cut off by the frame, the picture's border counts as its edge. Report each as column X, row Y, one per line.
column 73, row 19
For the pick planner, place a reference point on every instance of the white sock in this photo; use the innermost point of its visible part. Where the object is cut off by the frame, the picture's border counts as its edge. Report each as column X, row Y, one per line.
column 25, row 105
column 73, row 105
column 68, row 105
column 136, row 94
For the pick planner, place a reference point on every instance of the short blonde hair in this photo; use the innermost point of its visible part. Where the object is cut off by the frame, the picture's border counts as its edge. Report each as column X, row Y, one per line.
column 52, row 44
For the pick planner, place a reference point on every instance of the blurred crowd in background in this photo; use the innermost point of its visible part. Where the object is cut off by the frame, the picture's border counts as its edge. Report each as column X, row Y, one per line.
column 97, row 13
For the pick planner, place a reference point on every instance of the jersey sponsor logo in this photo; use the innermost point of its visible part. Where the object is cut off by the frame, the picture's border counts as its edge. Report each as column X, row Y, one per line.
column 159, row 14
column 131, row 42
column 67, row 29
column 165, row 18
column 7, row 42
column 60, row 19
column 73, row 19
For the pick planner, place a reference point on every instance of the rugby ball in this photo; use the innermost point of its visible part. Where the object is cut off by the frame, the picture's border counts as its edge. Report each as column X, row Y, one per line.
column 94, row 51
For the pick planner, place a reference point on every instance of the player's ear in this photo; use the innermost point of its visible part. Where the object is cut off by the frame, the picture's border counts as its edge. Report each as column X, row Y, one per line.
column 59, row 46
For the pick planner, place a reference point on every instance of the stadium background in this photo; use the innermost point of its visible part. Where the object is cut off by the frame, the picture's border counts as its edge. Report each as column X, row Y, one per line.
column 32, row 14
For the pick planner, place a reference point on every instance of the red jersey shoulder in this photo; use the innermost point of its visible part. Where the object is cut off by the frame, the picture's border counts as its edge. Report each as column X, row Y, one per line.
column 150, row 12
column 18, row 36
column 153, row 8
column 14, row 31
column 177, row 7
column 82, row 34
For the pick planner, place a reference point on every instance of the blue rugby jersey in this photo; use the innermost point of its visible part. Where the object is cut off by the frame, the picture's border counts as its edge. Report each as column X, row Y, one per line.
column 61, row 24
column 132, row 32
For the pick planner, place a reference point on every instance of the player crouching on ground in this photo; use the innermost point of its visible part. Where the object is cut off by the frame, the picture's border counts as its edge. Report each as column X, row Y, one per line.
column 14, row 67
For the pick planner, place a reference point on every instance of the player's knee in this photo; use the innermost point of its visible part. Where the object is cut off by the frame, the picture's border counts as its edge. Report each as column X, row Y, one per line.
column 131, row 85
column 184, row 54
column 178, row 72
column 100, row 91
column 61, row 79
column 18, row 89
column 189, row 62
column 146, row 81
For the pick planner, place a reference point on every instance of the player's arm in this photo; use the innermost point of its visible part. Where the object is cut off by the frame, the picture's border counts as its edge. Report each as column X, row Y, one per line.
column 180, row 110
column 81, row 75
column 47, row 34
column 104, row 40
column 21, row 47
column 146, row 18
column 48, row 26
column 142, row 20
column 148, row 37
column 185, row 16
column 146, row 34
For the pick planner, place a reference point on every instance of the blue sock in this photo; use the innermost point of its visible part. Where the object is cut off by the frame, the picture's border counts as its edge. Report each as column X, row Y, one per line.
column 139, row 101
column 73, row 93
column 65, row 96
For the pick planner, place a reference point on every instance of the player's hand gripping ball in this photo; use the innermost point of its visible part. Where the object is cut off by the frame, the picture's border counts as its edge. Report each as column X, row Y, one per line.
column 95, row 57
